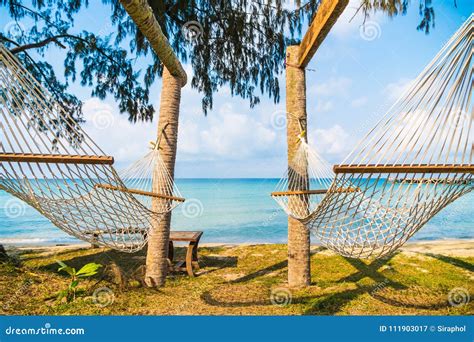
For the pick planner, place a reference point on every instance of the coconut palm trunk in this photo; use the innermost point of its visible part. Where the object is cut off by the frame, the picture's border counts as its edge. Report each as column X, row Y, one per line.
column 157, row 254
column 174, row 77
column 3, row 254
column 299, row 274
column 142, row 15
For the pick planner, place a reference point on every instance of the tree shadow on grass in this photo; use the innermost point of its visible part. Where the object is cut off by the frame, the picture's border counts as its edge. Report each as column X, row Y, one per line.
column 422, row 298
column 333, row 303
column 267, row 301
column 129, row 263
column 31, row 254
column 261, row 273
column 453, row 261
column 416, row 300
column 210, row 264
column 385, row 290
column 272, row 268
column 209, row 299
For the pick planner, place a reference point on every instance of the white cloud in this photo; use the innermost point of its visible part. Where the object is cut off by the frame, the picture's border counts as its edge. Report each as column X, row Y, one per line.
column 226, row 135
column 332, row 141
column 359, row 102
column 229, row 138
column 333, row 86
column 396, row 89
column 114, row 134
column 323, row 106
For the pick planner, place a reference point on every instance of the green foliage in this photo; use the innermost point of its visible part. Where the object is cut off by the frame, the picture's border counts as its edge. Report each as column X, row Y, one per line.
column 242, row 45
column 86, row 271
column 396, row 7
column 105, row 67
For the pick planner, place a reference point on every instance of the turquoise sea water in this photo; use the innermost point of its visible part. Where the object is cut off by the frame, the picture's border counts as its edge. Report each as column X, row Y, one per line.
column 227, row 210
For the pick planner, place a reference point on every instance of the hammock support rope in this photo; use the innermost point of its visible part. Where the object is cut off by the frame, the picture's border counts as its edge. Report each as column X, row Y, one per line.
column 301, row 189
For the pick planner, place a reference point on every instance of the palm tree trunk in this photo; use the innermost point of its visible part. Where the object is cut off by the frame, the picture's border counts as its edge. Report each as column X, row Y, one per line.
column 174, row 77
column 299, row 273
column 142, row 15
column 3, row 254
column 157, row 254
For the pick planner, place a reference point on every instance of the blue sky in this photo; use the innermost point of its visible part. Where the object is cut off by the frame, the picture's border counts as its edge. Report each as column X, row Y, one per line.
column 358, row 73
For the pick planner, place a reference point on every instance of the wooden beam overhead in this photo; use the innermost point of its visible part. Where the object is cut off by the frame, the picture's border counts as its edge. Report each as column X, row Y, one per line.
column 325, row 18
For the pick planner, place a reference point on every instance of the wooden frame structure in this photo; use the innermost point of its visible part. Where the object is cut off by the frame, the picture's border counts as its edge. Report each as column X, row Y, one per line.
column 325, row 18
column 139, row 192
column 405, row 168
column 313, row 192
column 55, row 158
column 297, row 58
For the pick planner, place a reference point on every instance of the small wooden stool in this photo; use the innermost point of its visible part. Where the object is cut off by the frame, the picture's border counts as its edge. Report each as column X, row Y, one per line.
column 191, row 262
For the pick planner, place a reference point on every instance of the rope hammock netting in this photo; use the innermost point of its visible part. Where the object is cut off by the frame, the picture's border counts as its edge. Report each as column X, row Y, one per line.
column 309, row 171
column 49, row 162
column 412, row 164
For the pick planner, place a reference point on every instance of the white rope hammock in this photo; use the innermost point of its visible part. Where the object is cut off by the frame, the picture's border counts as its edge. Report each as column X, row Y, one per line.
column 300, row 190
column 49, row 162
column 412, row 164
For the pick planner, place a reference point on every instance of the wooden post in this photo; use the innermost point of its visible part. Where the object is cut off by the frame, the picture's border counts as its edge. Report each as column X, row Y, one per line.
column 298, row 235
column 297, row 58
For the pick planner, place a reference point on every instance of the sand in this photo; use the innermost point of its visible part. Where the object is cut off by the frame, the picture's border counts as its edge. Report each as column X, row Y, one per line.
column 450, row 247
column 454, row 247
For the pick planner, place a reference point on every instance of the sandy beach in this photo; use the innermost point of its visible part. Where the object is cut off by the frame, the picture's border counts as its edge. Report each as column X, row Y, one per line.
column 449, row 247
column 454, row 247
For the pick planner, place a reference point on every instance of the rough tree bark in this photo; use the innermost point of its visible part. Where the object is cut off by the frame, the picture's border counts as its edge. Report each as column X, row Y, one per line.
column 298, row 57
column 3, row 254
column 157, row 254
column 142, row 15
column 299, row 274
column 174, row 77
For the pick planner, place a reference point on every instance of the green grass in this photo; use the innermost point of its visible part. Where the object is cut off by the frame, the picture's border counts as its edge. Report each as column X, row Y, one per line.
column 240, row 280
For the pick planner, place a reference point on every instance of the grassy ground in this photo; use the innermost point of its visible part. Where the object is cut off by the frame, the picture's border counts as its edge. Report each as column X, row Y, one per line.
column 243, row 280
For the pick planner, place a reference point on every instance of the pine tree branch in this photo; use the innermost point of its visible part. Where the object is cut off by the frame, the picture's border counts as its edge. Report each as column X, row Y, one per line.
column 54, row 39
column 41, row 43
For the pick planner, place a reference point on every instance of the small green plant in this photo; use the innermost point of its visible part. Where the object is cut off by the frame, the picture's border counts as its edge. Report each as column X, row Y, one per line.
column 86, row 271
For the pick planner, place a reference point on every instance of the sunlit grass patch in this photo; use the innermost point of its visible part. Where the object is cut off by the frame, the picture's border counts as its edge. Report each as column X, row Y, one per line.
column 242, row 280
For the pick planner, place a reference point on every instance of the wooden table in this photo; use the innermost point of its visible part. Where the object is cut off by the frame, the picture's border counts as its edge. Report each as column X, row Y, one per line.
column 191, row 262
